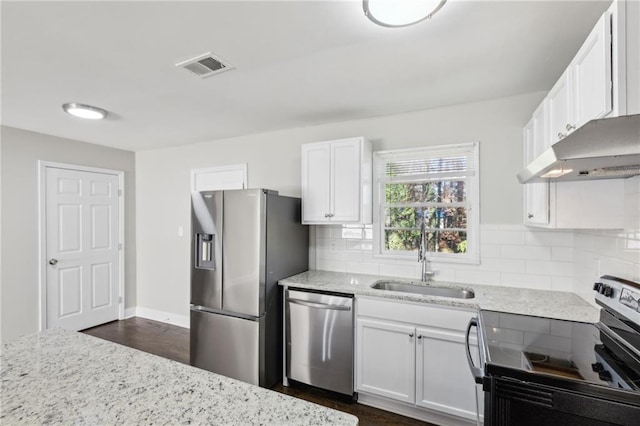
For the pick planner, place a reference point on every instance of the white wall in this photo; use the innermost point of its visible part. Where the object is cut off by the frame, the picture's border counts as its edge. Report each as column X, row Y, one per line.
column 162, row 177
column 21, row 151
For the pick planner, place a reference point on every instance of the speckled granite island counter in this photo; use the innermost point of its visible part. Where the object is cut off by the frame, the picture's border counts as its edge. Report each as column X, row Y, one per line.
column 542, row 303
column 64, row 377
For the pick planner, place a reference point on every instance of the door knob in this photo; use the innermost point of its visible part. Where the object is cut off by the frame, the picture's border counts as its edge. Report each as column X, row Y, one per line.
column 53, row 261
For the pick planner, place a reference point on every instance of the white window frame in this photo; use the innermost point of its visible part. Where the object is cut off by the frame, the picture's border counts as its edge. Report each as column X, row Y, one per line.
column 219, row 178
column 472, row 256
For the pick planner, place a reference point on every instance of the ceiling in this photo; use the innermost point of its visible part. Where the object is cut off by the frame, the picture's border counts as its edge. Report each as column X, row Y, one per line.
column 297, row 63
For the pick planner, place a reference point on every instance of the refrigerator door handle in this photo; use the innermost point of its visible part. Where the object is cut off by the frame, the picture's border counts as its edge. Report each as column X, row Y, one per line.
column 319, row 305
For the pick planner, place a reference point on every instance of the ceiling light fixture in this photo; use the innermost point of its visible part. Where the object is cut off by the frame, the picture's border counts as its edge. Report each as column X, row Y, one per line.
column 400, row 13
column 84, row 111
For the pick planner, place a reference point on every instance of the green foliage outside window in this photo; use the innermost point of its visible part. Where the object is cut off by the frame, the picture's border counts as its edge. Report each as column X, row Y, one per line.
column 441, row 204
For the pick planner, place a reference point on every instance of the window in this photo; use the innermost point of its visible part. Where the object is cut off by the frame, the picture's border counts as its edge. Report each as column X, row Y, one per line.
column 432, row 188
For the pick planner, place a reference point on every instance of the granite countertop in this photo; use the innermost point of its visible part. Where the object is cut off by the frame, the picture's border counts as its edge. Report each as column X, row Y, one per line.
column 64, row 377
column 541, row 303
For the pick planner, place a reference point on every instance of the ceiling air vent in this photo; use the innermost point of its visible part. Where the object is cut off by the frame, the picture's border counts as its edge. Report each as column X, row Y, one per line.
column 204, row 65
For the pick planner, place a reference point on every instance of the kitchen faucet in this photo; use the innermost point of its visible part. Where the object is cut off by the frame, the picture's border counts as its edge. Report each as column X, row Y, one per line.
column 427, row 275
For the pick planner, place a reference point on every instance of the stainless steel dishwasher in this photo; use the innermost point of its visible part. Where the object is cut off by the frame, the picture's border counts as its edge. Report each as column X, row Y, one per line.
column 319, row 339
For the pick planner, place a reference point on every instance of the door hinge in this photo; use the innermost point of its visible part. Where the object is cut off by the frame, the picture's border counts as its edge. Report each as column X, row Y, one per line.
column 119, row 246
column 120, row 299
column 119, row 192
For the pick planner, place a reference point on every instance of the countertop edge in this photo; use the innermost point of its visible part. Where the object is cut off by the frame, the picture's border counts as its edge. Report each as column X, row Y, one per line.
column 541, row 303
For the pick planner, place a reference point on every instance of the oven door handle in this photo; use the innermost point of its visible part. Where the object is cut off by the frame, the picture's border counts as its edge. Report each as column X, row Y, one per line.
column 478, row 373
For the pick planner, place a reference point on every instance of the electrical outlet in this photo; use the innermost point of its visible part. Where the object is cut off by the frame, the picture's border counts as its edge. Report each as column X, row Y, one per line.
column 333, row 246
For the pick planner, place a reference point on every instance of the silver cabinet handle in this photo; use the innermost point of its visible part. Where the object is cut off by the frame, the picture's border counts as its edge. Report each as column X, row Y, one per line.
column 411, row 335
column 53, row 261
column 419, row 336
column 570, row 127
column 319, row 305
column 561, row 135
column 327, row 215
column 530, row 215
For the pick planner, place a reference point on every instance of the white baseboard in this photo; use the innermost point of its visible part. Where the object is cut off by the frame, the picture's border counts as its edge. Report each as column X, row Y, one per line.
column 129, row 313
column 152, row 314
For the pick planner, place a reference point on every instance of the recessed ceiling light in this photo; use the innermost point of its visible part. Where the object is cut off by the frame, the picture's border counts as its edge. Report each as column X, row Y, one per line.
column 84, row 111
column 400, row 13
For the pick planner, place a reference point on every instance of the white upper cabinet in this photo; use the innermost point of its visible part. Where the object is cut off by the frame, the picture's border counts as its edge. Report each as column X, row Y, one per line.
column 560, row 108
column 592, row 84
column 316, row 182
column 584, row 91
column 336, row 182
column 536, row 195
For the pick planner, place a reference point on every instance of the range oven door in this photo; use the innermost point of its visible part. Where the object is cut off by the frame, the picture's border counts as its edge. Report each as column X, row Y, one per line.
column 517, row 403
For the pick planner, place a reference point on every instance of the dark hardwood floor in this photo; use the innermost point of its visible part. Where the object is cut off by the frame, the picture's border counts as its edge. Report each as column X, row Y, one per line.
column 173, row 342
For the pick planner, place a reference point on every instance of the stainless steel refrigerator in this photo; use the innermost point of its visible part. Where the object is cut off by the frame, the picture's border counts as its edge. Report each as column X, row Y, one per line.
column 243, row 242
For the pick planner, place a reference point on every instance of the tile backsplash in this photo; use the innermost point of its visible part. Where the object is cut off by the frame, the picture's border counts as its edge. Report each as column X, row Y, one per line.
column 510, row 255
column 614, row 252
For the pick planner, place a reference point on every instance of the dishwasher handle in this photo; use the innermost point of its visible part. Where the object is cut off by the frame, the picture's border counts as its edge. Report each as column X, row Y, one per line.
column 319, row 305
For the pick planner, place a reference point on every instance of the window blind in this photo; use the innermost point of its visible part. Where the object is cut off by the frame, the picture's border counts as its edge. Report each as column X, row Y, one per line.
column 437, row 162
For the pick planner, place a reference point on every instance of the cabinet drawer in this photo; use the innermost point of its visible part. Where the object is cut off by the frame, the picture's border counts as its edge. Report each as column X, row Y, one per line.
column 447, row 317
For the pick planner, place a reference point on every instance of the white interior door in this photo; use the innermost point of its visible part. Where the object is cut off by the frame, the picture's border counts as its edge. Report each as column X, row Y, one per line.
column 82, row 248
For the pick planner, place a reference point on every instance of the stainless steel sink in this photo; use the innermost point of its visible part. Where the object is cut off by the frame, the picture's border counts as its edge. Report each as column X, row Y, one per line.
column 428, row 290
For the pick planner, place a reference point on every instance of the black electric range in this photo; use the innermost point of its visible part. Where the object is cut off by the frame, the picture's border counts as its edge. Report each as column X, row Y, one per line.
column 543, row 371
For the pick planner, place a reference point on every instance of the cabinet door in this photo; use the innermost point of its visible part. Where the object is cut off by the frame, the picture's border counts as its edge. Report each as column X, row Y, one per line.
column 443, row 380
column 592, row 74
column 536, row 195
column 560, row 108
column 345, row 181
column 385, row 359
column 316, row 160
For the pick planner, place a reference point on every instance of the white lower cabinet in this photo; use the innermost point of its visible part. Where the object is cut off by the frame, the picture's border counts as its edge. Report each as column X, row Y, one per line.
column 413, row 356
column 386, row 359
column 443, row 379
